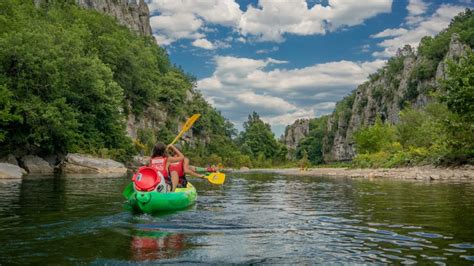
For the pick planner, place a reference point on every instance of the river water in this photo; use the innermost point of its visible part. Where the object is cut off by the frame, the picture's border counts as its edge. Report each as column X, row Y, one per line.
column 252, row 218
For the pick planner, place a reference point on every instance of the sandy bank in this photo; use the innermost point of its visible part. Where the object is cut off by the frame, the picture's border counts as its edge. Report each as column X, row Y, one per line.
column 415, row 173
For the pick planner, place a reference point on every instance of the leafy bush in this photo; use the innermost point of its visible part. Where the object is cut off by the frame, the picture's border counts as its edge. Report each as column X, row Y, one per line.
column 375, row 138
column 420, row 128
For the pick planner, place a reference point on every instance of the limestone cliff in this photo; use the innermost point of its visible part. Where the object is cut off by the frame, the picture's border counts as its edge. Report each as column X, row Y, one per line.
column 406, row 79
column 132, row 13
column 294, row 134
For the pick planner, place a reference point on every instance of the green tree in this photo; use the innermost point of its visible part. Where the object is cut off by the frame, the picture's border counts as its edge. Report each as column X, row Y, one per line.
column 458, row 95
column 304, row 161
column 258, row 136
column 313, row 143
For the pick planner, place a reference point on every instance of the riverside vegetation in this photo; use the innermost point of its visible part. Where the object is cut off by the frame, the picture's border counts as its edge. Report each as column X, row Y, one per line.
column 70, row 78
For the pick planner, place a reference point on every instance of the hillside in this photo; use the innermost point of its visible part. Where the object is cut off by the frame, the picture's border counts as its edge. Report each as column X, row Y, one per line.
column 411, row 80
column 76, row 80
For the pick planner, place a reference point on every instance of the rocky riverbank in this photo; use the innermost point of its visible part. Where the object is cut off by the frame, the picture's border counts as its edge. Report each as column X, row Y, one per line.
column 407, row 173
column 71, row 164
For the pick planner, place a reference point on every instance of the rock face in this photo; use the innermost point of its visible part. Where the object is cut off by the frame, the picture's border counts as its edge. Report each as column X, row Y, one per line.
column 384, row 95
column 156, row 116
column 84, row 164
column 294, row 134
column 36, row 165
column 153, row 117
column 131, row 13
column 11, row 171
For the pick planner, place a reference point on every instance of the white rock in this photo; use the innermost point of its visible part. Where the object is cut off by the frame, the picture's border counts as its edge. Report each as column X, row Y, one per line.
column 75, row 163
column 8, row 170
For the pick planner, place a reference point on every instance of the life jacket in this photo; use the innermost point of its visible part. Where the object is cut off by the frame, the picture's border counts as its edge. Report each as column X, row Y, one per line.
column 178, row 167
column 159, row 164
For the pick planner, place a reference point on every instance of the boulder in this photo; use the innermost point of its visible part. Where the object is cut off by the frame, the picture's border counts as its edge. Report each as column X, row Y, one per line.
column 244, row 168
column 75, row 163
column 9, row 159
column 8, row 170
column 53, row 160
column 36, row 165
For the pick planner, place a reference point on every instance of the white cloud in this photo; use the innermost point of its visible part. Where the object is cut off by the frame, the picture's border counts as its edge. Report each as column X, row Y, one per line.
column 223, row 12
column 169, row 28
column 266, row 51
column 163, row 40
column 204, row 44
column 186, row 19
column 390, row 33
column 266, row 102
column 354, row 12
column 239, row 86
column 365, row 48
column 272, row 19
column 269, row 21
column 416, row 8
column 289, row 117
column 222, row 44
column 411, row 35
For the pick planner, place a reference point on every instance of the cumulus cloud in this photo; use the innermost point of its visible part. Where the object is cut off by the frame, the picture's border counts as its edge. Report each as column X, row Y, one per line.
column 223, row 12
column 390, row 33
column 416, row 8
column 204, row 44
column 169, row 28
column 266, row 102
column 270, row 20
column 411, row 34
column 289, row 117
column 239, row 86
column 172, row 20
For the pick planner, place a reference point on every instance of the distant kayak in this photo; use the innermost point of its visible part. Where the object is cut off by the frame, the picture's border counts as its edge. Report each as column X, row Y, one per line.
column 153, row 201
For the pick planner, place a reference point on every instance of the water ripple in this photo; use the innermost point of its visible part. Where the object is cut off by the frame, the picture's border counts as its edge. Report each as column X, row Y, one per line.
column 254, row 218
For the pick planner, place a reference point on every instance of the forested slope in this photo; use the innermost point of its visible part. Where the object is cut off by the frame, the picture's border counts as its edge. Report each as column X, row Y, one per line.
column 74, row 79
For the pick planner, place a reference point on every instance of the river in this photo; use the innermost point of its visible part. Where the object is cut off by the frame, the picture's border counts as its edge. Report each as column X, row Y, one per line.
column 252, row 218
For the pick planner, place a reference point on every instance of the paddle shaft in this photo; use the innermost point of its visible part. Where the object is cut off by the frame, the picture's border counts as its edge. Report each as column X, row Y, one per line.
column 186, row 127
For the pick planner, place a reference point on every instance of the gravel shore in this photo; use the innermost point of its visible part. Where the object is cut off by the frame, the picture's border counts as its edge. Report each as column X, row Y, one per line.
column 413, row 173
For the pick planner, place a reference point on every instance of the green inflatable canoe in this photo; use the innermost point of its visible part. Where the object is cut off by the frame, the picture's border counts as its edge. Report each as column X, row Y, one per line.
column 154, row 202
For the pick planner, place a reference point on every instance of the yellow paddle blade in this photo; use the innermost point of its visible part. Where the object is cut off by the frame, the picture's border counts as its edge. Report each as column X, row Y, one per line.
column 216, row 178
column 189, row 123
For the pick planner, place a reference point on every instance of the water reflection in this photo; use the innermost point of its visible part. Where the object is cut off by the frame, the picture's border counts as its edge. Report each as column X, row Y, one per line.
column 255, row 218
column 153, row 244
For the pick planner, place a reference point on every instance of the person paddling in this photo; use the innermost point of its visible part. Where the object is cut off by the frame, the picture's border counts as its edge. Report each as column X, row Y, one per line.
column 178, row 172
column 160, row 161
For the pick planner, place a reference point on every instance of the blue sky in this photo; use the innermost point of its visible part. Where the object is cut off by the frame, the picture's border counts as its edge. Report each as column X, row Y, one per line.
column 289, row 59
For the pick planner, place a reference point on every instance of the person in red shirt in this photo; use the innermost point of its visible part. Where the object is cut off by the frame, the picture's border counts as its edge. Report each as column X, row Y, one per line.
column 160, row 161
column 179, row 170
